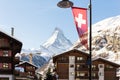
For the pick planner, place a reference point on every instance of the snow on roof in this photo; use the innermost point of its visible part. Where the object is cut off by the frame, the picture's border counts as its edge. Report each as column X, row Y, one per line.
column 70, row 51
column 94, row 59
column 23, row 62
column 1, row 31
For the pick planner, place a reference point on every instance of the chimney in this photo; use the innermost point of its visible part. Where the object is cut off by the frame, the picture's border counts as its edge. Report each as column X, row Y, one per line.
column 12, row 31
column 30, row 58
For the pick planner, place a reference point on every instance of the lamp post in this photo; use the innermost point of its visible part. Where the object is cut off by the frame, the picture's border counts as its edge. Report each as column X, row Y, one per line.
column 68, row 4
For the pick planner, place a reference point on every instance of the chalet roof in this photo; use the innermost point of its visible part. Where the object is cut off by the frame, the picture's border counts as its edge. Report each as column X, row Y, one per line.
column 106, row 61
column 25, row 62
column 12, row 38
column 70, row 51
column 9, row 36
column 93, row 59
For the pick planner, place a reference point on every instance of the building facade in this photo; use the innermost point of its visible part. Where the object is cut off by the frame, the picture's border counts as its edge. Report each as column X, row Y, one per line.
column 9, row 47
column 73, row 65
column 103, row 69
column 28, row 72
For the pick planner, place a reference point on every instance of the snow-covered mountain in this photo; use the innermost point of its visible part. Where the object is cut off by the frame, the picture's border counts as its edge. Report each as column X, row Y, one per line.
column 36, row 59
column 56, row 44
column 105, row 39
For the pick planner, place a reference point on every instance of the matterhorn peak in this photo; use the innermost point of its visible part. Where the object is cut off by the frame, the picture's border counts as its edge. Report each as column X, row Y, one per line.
column 57, row 41
column 57, row 32
column 58, row 29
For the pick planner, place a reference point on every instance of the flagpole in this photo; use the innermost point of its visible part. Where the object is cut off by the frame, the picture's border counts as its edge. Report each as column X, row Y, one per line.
column 90, row 40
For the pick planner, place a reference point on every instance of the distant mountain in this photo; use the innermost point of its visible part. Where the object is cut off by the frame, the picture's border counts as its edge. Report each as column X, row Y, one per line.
column 56, row 44
column 105, row 39
column 37, row 59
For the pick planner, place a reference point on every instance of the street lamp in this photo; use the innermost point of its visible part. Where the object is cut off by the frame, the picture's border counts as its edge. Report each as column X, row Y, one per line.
column 68, row 4
column 65, row 4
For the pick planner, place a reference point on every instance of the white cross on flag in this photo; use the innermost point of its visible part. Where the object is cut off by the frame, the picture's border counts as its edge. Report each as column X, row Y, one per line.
column 80, row 18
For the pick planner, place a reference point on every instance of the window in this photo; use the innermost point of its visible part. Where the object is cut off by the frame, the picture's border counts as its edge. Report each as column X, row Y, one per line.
column 30, row 73
column 72, row 57
column 93, row 74
column 3, row 42
column 63, row 58
column 5, row 53
column 72, row 66
column 78, row 66
column 101, row 66
column 80, row 74
column 72, row 73
column 79, row 58
column 109, row 66
column 5, row 65
column 93, row 66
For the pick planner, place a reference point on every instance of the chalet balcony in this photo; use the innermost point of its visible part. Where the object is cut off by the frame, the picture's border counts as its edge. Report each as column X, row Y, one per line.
column 80, row 61
column 82, row 77
column 110, row 69
column 18, row 73
column 95, row 77
column 30, row 69
column 106, row 69
column 4, row 45
column 23, row 74
column 63, row 61
column 87, row 77
column 82, row 69
column 5, row 59
column 6, row 71
column 95, row 69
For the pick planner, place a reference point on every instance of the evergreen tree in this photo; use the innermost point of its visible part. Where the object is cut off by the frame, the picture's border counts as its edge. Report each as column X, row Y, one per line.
column 49, row 75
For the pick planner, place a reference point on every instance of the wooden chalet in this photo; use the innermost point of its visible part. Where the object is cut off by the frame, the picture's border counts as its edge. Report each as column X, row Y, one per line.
column 103, row 69
column 73, row 65
column 9, row 46
column 28, row 72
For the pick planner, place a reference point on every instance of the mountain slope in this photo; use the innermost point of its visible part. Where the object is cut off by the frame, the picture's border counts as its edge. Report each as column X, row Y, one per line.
column 105, row 39
column 106, row 34
column 36, row 59
column 110, row 24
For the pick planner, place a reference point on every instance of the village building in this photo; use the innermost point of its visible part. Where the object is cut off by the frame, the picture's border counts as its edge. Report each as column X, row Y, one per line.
column 103, row 69
column 9, row 47
column 26, row 71
column 73, row 65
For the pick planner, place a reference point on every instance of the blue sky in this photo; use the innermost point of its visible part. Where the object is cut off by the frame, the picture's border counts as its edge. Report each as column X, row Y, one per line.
column 35, row 20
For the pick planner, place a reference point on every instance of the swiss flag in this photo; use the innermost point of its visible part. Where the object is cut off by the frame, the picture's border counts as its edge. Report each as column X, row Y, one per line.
column 80, row 18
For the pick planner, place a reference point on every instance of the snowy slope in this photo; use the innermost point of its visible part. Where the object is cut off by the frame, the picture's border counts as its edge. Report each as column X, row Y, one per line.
column 105, row 39
column 110, row 24
column 36, row 59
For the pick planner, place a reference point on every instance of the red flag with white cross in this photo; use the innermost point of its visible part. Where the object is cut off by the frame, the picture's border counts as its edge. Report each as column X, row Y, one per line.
column 80, row 18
